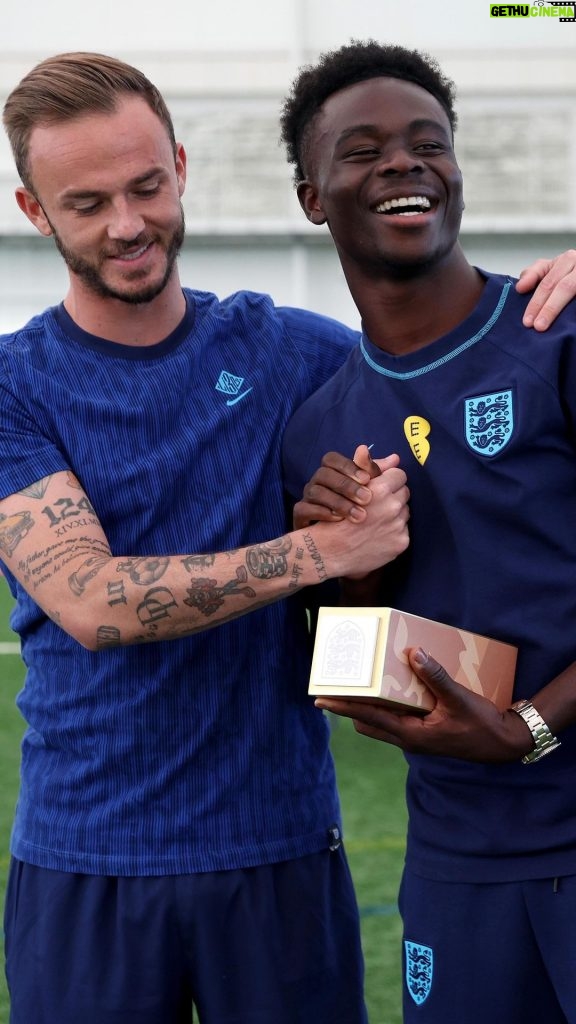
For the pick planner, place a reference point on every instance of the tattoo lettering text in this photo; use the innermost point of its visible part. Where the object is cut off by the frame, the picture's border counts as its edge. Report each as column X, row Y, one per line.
column 315, row 556
column 65, row 508
column 43, row 565
column 297, row 570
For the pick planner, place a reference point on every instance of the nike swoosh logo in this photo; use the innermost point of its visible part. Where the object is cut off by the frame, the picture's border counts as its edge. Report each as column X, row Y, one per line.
column 232, row 401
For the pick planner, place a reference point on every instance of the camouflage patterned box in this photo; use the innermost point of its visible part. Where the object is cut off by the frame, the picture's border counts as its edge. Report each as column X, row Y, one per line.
column 360, row 653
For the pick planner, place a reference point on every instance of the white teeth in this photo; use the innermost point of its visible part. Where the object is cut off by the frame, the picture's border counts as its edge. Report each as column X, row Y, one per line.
column 132, row 255
column 393, row 204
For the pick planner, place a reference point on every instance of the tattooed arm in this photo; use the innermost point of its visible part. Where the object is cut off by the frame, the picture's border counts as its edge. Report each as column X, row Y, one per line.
column 53, row 543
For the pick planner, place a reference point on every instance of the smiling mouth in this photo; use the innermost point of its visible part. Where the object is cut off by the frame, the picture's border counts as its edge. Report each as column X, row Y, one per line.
column 407, row 206
column 127, row 257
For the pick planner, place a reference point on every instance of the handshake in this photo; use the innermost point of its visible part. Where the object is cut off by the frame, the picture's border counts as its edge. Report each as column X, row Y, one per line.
column 360, row 511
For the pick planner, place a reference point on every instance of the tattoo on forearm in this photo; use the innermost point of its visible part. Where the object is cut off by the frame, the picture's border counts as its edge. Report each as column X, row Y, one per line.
column 107, row 636
column 41, row 566
column 297, row 570
column 38, row 489
column 87, row 571
column 13, row 529
column 205, row 594
column 156, row 605
column 144, row 571
column 267, row 560
column 64, row 509
column 203, row 562
column 116, row 593
column 315, row 556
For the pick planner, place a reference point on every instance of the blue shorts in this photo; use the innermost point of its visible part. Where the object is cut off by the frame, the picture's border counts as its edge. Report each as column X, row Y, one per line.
column 499, row 953
column 278, row 944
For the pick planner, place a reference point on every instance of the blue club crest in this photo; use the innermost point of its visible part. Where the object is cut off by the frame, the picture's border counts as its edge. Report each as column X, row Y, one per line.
column 489, row 422
column 419, row 970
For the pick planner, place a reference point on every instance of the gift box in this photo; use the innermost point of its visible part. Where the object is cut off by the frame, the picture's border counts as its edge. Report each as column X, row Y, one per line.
column 360, row 653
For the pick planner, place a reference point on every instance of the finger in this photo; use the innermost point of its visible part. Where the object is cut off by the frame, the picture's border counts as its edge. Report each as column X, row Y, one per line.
column 552, row 270
column 433, row 674
column 532, row 275
column 371, row 720
column 337, row 494
column 304, row 514
column 375, row 733
column 376, row 716
column 345, row 467
column 364, row 460
column 390, row 462
column 391, row 481
column 549, row 308
column 555, row 290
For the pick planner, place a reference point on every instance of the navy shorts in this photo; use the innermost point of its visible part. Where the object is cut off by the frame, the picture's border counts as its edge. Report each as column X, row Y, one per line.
column 503, row 953
column 278, row 944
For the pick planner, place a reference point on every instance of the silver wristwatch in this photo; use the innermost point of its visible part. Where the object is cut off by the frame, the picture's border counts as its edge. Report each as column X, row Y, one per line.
column 544, row 741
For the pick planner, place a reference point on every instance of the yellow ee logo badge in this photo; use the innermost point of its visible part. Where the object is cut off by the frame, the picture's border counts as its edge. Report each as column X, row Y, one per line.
column 417, row 429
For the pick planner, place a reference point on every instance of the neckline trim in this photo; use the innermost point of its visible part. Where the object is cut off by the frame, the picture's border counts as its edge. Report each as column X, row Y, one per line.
column 76, row 335
column 429, row 367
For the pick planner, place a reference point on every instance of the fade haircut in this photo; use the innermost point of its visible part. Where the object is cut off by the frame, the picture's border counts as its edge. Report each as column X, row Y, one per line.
column 337, row 69
column 67, row 86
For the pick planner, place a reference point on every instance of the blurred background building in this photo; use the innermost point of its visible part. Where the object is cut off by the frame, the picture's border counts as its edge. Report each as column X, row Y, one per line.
column 224, row 68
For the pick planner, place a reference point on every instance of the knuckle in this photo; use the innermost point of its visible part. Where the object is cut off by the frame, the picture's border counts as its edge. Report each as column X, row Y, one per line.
column 333, row 460
column 308, row 494
column 436, row 672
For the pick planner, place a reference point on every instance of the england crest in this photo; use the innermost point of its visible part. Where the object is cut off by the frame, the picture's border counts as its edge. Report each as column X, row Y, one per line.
column 419, row 970
column 489, row 422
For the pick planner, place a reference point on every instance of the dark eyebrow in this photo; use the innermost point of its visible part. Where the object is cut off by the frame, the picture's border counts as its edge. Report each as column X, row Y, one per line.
column 357, row 129
column 420, row 124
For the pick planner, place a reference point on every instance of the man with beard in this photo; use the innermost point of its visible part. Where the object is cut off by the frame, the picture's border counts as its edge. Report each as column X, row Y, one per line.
column 177, row 840
column 177, row 837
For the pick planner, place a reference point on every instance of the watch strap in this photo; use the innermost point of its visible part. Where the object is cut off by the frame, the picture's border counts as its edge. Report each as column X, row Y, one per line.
column 544, row 741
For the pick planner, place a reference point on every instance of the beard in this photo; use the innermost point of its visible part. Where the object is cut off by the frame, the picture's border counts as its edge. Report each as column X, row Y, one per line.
column 91, row 273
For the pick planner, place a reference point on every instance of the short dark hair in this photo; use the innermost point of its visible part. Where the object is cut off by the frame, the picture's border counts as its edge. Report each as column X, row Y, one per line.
column 337, row 69
column 67, row 86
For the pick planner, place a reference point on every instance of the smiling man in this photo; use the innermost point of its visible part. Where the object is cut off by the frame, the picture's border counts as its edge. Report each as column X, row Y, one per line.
column 177, row 844
column 483, row 417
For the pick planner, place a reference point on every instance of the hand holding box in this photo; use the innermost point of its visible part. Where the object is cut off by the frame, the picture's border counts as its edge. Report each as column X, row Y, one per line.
column 361, row 653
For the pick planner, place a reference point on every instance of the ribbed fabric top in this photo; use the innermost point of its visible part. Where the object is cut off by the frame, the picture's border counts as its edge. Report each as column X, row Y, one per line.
column 203, row 753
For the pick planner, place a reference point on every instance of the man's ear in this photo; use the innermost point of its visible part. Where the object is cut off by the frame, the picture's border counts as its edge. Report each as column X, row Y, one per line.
column 180, row 168
column 31, row 207
column 310, row 203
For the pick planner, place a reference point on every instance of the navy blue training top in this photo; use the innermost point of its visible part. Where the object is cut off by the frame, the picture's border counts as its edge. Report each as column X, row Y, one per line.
column 203, row 753
column 484, row 422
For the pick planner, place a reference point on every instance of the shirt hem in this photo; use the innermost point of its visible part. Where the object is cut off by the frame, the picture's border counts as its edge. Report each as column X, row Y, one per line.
column 185, row 863
column 501, row 869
